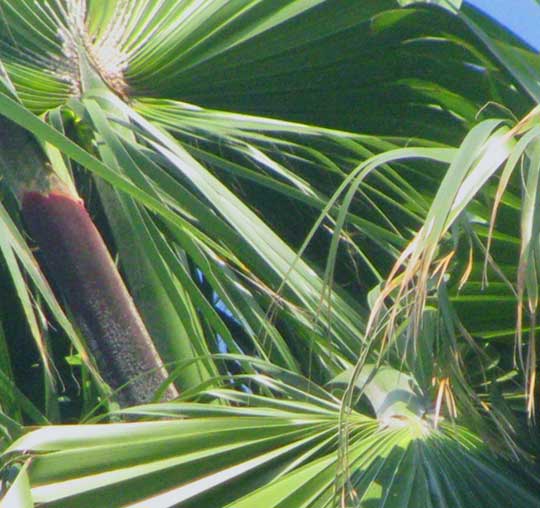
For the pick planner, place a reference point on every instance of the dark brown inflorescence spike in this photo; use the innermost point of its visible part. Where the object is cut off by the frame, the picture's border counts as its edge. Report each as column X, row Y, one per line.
column 83, row 272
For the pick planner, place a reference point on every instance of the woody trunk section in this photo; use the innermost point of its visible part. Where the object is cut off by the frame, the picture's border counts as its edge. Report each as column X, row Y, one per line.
column 82, row 273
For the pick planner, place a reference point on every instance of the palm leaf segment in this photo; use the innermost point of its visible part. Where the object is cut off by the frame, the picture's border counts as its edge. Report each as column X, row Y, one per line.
column 275, row 453
column 172, row 166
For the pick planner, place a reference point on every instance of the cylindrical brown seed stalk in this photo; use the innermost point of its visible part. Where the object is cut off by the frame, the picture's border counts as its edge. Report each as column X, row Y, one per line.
column 81, row 268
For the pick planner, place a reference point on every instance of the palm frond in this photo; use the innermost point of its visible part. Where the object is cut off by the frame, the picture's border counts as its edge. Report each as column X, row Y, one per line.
column 264, row 239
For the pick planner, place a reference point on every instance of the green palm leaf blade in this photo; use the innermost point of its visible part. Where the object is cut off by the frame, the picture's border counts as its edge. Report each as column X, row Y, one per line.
column 171, row 318
column 18, row 493
column 401, row 468
column 201, row 349
column 269, row 456
column 281, row 42
column 268, row 77
column 190, row 449
column 452, row 5
column 31, row 52
column 214, row 28
column 514, row 54
column 279, row 258
column 147, row 288
column 9, row 404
